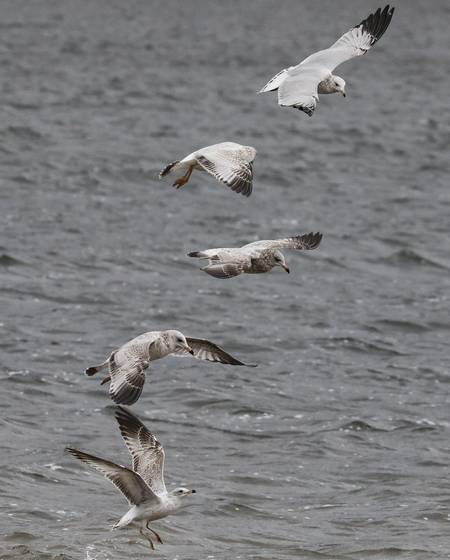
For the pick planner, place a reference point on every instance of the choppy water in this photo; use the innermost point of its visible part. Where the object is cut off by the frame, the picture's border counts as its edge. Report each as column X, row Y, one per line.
column 337, row 445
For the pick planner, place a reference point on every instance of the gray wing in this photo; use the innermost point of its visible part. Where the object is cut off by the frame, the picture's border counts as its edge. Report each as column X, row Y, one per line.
column 145, row 449
column 132, row 486
column 355, row 42
column 230, row 168
column 224, row 269
column 299, row 89
column 127, row 379
column 304, row 242
column 206, row 350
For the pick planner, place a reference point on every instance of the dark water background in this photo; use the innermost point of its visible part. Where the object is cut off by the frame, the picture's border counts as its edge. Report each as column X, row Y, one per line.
column 338, row 445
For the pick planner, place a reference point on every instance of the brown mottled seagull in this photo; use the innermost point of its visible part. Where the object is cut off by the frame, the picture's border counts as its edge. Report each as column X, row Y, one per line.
column 142, row 485
column 299, row 86
column 228, row 162
column 127, row 365
column 254, row 258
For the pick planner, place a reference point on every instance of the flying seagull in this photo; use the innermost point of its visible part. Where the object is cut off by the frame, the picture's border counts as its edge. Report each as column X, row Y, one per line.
column 127, row 365
column 228, row 162
column 254, row 258
column 299, row 86
column 142, row 485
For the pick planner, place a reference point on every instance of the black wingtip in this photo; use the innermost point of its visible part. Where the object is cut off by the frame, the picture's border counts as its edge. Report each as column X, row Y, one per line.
column 194, row 254
column 72, row 451
column 91, row 370
column 121, row 410
column 312, row 240
column 376, row 24
column 123, row 415
column 128, row 422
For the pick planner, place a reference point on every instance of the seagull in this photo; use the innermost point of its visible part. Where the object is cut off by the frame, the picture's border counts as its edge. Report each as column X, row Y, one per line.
column 127, row 365
column 254, row 258
column 299, row 86
column 228, row 162
column 142, row 485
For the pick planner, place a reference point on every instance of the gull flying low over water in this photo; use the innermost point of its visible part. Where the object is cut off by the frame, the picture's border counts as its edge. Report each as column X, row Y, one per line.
column 127, row 365
column 299, row 86
column 254, row 258
column 228, row 162
column 142, row 485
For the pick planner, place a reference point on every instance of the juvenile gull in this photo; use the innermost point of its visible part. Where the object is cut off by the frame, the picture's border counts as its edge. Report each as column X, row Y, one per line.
column 299, row 86
column 142, row 485
column 254, row 258
column 228, row 162
column 127, row 365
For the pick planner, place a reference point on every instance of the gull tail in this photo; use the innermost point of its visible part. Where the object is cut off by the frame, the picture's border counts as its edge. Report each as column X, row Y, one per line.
column 95, row 369
column 168, row 168
column 198, row 254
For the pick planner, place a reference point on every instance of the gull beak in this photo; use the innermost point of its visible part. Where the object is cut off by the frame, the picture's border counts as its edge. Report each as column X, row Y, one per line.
column 189, row 349
column 344, row 93
column 286, row 268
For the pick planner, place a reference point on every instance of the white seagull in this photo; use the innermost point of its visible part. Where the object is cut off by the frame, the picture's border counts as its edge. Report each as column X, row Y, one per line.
column 254, row 258
column 127, row 365
column 228, row 162
column 299, row 86
column 142, row 485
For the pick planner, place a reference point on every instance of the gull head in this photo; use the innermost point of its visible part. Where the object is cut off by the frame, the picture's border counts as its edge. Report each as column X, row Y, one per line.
column 339, row 85
column 177, row 341
column 278, row 260
column 181, row 492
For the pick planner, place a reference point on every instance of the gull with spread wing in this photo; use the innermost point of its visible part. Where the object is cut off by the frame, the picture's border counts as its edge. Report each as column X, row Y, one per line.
column 228, row 162
column 142, row 485
column 254, row 258
column 299, row 86
column 127, row 365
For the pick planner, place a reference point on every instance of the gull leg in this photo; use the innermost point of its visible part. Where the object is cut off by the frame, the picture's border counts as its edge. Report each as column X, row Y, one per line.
column 158, row 538
column 184, row 179
column 152, row 546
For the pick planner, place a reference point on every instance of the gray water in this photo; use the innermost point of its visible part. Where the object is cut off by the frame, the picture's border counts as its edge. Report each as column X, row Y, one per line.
column 337, row 445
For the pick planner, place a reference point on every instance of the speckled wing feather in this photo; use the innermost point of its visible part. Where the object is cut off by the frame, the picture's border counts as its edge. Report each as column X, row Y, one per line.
column 229, row 167
column 224, row 269
column 132, row 486
column 127, row 379
column 146, row 451
column 307, row 241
